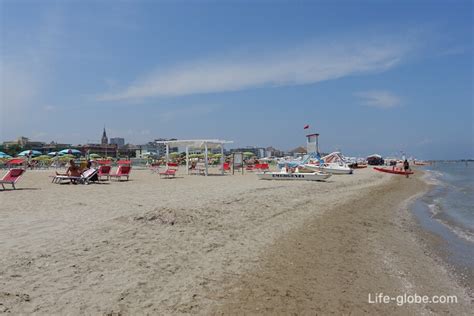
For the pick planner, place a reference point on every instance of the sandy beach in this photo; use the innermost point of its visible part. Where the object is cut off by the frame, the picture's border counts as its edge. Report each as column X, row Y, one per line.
column 217, row 245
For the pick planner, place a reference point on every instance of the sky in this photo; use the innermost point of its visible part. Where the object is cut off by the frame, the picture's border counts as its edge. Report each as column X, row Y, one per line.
column 369, row 76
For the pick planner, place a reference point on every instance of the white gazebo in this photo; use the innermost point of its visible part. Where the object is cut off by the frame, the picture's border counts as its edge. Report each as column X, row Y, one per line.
column 205, row 144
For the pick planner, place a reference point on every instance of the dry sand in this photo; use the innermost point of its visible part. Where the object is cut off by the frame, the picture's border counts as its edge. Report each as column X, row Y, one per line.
column 212, row 245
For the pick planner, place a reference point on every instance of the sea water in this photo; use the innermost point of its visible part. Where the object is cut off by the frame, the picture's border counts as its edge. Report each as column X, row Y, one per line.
column 448, row 211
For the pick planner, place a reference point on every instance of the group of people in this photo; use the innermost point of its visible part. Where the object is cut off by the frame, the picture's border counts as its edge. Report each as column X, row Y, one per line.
column 74, row 170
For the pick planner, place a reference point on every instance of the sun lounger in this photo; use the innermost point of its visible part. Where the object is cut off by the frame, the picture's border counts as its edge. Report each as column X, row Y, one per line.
column 170, row 171
column 85, row 178
column 155, row 167
column 104, row 171
column 226, row 166
column 11, row 177
column 122, row 171
column 262, row 166
column 198, row 169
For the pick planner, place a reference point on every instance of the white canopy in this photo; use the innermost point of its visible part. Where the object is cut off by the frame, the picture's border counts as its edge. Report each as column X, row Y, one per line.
column 374, row 155
column 197, row 143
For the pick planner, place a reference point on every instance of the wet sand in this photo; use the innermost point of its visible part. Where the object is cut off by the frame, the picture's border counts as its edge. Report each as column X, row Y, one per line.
column 370, row 244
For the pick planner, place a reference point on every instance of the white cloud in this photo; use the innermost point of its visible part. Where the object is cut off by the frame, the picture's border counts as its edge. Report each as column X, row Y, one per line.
column 379, row 99
column 304, row 65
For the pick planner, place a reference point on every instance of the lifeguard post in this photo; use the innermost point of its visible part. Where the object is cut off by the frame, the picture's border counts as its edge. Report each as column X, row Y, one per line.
column 312, row 143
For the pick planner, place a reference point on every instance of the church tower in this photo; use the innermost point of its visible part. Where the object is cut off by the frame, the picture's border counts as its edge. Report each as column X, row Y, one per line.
column 105, row 140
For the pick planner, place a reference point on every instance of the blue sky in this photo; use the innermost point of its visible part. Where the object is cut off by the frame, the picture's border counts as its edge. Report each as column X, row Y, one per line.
column 369, row 76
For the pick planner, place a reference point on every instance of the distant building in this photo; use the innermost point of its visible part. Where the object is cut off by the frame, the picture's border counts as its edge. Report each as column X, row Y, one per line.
column 148, row 149
column 105, row 140
column 298, row 151
column 154, row 149
column 53, row 146
column 128, row 150
column 257, row 151
column 104, row 150
column 273, row 152
column 119, row 141
column 161, row 148
column 24, row 143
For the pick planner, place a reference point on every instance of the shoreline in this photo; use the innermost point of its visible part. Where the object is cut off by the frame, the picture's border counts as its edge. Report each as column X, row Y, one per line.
column 452, row 250
column 324, row 267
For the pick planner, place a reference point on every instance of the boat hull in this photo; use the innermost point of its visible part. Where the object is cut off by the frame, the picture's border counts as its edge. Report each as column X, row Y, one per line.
column 331, row 170
column 293, row 176
column 392, row 171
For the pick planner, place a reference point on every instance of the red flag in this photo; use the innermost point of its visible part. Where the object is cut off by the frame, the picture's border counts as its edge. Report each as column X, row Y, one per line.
column 306, row 127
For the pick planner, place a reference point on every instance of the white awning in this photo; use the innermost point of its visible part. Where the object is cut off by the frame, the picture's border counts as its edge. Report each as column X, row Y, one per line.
column 196, row 143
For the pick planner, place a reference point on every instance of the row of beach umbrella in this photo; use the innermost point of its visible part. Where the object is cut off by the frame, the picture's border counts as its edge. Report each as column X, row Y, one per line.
column 35, row 153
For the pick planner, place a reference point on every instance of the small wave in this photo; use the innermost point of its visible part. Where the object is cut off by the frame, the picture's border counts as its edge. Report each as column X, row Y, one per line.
column 459, row 232
column 435, row 208
column 432, row 177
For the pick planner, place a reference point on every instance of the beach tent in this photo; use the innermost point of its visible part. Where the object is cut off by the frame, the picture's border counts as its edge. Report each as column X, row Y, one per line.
column 29, row 153
column 205, row 144
column 375, row 160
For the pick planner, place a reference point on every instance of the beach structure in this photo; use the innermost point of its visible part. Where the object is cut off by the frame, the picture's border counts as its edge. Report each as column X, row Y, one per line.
column 203, row 144
column 312, row 149
column 375, row 160
column 312, row 143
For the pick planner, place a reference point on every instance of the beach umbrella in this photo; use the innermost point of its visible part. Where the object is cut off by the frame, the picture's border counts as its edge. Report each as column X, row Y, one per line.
column 54, row 153
column 66, row 157
column 42, row 157
column 3, row 155
column 29, row 153
column 70, row 151
column 249, row 153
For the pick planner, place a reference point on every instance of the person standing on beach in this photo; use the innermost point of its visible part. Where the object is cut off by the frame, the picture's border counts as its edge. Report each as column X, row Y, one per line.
column 406, row 166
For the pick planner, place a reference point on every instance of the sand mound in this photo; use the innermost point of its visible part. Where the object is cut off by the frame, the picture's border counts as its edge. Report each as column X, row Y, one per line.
column 164, row 216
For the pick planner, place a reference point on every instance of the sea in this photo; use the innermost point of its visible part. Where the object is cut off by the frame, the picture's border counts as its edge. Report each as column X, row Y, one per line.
column 448, row 211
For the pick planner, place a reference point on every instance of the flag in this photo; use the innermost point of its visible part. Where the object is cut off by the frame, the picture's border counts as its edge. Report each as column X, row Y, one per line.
column 306, row 127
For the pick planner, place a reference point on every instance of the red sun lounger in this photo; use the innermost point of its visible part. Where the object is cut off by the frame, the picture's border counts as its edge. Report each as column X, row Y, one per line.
column 104, row 171
column 122, row 171
column 11, row 177
column 170, row 172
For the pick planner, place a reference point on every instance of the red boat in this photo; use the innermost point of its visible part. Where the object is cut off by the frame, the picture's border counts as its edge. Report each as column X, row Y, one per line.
column 394, row 171
column 421, row 163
